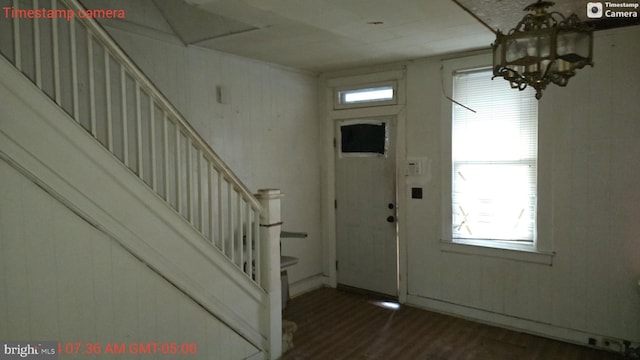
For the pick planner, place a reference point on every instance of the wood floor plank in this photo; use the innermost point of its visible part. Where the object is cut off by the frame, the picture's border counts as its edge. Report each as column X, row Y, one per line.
column 335, row 324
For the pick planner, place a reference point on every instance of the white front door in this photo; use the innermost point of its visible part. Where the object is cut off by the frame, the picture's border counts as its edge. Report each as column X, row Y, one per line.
column 366, row 204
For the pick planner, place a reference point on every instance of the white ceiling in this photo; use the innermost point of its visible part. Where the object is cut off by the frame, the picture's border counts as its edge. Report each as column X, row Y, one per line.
column 325, row 35
column 322, row 35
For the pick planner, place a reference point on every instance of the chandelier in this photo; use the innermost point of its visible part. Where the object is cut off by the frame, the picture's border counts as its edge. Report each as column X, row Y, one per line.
column 544, row 47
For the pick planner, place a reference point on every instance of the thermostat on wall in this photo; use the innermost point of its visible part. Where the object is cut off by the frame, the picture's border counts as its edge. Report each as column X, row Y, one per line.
column 414, row 167
column 417, row 170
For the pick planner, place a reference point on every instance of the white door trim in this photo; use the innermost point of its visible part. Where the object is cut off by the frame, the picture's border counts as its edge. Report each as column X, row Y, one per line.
column 328, row 179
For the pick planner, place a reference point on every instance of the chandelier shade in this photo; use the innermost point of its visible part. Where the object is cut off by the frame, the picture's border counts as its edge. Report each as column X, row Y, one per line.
column 544, row 47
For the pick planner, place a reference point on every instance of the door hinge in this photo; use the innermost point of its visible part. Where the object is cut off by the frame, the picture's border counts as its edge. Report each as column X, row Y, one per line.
column 337, row 265
column 335, row 204
column 335, row 142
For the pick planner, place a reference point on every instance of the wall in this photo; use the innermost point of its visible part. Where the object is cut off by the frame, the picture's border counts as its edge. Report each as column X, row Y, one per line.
column 266, row 129
column 589, row 172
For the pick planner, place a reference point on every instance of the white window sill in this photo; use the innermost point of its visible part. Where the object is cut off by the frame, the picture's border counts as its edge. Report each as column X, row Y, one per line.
column 516, row 252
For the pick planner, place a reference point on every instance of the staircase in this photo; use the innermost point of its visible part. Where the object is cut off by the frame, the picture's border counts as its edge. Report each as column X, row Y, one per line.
column 83, row 123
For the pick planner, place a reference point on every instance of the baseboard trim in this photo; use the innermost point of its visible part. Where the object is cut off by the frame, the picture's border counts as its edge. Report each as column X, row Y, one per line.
column 368, row 293
column 309, row 284
column 505, row 321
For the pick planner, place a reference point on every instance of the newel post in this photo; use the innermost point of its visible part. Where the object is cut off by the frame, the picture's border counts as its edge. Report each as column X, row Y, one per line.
column 270, row 226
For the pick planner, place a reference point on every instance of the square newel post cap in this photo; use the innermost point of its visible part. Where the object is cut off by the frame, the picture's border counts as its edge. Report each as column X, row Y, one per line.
column 269, row 194
column 270, row 201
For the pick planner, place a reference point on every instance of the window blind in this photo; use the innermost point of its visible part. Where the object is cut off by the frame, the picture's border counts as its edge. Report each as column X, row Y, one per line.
column 494, row 159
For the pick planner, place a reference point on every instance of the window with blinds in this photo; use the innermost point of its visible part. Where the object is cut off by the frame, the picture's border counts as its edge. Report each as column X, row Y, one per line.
column 494, row 160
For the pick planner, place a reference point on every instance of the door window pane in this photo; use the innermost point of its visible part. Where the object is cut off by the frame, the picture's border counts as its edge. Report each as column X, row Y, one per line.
column 363, row 138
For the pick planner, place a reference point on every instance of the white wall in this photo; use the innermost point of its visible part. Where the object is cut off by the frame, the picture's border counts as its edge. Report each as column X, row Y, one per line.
column 266, row 130
column 589, row 135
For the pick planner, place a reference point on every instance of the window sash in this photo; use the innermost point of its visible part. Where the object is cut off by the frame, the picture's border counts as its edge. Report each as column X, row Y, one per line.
column 494, row 160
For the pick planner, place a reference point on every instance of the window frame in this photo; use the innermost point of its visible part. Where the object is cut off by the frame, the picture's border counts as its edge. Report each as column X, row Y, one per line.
column 537, row 251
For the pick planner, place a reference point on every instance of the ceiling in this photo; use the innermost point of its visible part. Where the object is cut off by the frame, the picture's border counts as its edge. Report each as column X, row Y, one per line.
column 325, row 35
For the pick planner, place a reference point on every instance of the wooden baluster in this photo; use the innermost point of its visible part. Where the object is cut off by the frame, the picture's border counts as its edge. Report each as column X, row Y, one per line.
column 220, row 214
column 248, row 240
column 74, row 69
column 189, row 179
column 211, row 199
column 229, row 214
column 178, row 170
column 124, row 113
column 239, row 232
column 139, row 133
column 165, row 154
column 17, row 43
column 107, row 88
column 36, row 47
column 92, row 90
column 152, row 144
column 255, row 225
column 56, row 55
column 200, row 193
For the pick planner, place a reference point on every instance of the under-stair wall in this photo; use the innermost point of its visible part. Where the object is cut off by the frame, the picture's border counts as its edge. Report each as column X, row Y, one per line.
column 68, row 280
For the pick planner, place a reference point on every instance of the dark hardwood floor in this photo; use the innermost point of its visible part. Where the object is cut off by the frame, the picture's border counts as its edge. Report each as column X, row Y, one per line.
column 335, row 324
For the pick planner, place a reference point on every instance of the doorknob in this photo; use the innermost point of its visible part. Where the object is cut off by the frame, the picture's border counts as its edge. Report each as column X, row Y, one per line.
column 391, row 206
column 391, row 218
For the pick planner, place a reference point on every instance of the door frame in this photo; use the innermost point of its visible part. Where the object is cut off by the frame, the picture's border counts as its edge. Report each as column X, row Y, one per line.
column 331, row 116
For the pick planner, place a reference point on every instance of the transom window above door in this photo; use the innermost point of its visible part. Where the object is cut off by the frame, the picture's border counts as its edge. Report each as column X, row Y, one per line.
column 366, row 95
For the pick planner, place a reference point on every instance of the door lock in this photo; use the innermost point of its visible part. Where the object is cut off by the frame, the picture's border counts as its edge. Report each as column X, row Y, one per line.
column 391, row 219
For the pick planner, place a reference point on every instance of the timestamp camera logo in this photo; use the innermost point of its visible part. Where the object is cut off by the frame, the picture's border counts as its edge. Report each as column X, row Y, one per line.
column 594, row 10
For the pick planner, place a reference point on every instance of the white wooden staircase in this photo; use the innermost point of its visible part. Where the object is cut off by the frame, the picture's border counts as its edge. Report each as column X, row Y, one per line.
column 80, row 121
